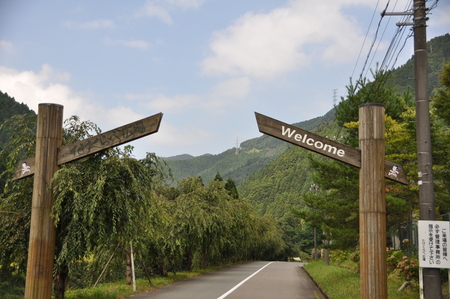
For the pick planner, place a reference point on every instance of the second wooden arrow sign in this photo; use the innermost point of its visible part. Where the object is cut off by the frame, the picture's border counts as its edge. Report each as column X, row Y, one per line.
column 323, row 146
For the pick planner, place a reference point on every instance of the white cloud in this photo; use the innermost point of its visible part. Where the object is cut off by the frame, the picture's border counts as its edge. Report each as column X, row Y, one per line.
column 186, row 3
column 151, row 9
column 98, row 24
column 233, row 88
column 120, row 116
column 161, row 8
column 224, row 95
column 46, row 86
column 172, row 136
column 283, row 40
column 91, row 25
column 49, row 86
column 6, row 46
column 227, row 95
column 176, row 103
column 135, row 44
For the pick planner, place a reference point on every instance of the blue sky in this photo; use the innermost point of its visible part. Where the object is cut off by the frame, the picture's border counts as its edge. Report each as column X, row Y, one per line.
column 207, row 65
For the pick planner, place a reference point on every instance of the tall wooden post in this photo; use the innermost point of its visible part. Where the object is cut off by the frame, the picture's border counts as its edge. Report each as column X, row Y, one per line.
column 42, row 229
column 372, row 205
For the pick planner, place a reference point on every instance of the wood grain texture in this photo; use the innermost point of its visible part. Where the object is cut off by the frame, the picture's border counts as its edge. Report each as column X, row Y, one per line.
column 92, row 145
column 372, row 203
column 42, row 229
column 276, row 128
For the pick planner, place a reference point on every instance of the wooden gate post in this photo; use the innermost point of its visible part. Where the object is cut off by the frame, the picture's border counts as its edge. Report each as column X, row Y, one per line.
column 372, row 202
column 42, row 228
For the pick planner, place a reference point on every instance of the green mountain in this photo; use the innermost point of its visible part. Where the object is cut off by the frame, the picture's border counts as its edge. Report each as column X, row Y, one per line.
column 276, row 188
column 438, row 53
column 257, row 153
column 238, row 164
column 8, row 107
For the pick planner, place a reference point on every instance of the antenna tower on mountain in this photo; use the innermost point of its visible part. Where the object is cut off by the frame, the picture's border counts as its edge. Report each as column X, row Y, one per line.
column 334, row 97
column 237, row 146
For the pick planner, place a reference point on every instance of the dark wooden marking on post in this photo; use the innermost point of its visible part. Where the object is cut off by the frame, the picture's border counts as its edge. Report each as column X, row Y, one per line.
column 323, row 146
column 372, row 203
column 83, row 148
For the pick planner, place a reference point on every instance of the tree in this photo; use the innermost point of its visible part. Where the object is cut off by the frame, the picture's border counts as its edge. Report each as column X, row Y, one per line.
column 99, row 201
column 338, row 206
column 441, row 102
column 15, row 202
column 441, row 108
column 230, row 186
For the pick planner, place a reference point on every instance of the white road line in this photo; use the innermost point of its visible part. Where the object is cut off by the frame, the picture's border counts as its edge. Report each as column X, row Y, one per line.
column 242, row 282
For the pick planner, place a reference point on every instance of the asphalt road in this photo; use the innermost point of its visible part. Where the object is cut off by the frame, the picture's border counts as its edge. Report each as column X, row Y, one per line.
column 252, row 280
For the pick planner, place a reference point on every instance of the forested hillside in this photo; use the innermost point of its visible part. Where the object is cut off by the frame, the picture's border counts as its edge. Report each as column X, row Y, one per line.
column 294, row 181
column 8, row 108
column 438, row 54
column 258, row 152
column 252, row 155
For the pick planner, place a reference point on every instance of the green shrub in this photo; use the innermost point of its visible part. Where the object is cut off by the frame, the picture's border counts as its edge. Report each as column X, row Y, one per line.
column 409, row 268
column 393, row 257
column 304, row 257
column 338, row 256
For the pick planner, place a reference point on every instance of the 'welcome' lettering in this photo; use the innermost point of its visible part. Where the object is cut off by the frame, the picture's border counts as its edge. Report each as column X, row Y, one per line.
column 285, row 131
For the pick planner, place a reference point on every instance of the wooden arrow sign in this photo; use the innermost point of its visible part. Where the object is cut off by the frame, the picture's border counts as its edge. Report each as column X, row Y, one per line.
column 323, row 146
column 83, row 148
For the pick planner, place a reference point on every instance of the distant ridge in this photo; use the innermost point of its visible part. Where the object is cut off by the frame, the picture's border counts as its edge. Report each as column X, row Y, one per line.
column 253, row 155
column 178, row 157
column 257, row 153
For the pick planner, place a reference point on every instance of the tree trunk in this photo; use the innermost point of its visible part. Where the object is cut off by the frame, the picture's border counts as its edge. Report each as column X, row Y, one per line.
column 163, row 269
column 128, row 272
column 60, row 282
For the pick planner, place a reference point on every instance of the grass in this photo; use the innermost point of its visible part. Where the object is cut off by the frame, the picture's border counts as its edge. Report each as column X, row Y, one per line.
column 342, row 283
column 119, row 289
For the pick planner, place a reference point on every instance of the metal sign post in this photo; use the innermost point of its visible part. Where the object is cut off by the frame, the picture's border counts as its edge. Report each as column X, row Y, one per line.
column 433, row 247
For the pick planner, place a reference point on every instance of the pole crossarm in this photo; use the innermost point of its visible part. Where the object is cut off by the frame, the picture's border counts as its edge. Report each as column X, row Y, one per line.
column 92, row 145
column 323, row 146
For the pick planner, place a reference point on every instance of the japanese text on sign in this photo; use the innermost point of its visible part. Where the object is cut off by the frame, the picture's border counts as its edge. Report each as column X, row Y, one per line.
column 433, row 244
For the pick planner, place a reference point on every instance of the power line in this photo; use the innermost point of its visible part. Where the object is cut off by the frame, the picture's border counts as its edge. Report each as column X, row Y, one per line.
column 373, row 43
column 365, row 37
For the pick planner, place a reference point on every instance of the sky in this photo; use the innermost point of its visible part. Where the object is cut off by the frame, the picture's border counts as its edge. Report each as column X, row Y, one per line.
column 207, row 65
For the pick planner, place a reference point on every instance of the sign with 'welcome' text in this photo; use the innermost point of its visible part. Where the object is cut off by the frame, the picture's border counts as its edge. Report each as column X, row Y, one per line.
column 323, row 145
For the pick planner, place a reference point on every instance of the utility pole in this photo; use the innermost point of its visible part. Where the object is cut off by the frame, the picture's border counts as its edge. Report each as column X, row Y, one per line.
column 431, row 276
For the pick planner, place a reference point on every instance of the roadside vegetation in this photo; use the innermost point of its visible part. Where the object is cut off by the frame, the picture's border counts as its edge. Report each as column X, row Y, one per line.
column 111, row 208
column 341, row 278
column 343, row 283
column 119, row 289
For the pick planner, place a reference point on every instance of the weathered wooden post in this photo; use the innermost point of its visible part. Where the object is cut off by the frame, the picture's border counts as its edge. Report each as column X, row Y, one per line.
column 49, row 155
column 42, row 228
column 372, row 202
column 373, row 170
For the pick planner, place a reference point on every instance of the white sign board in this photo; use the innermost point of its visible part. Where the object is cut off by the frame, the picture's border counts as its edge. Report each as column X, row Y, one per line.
column 433, row 244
